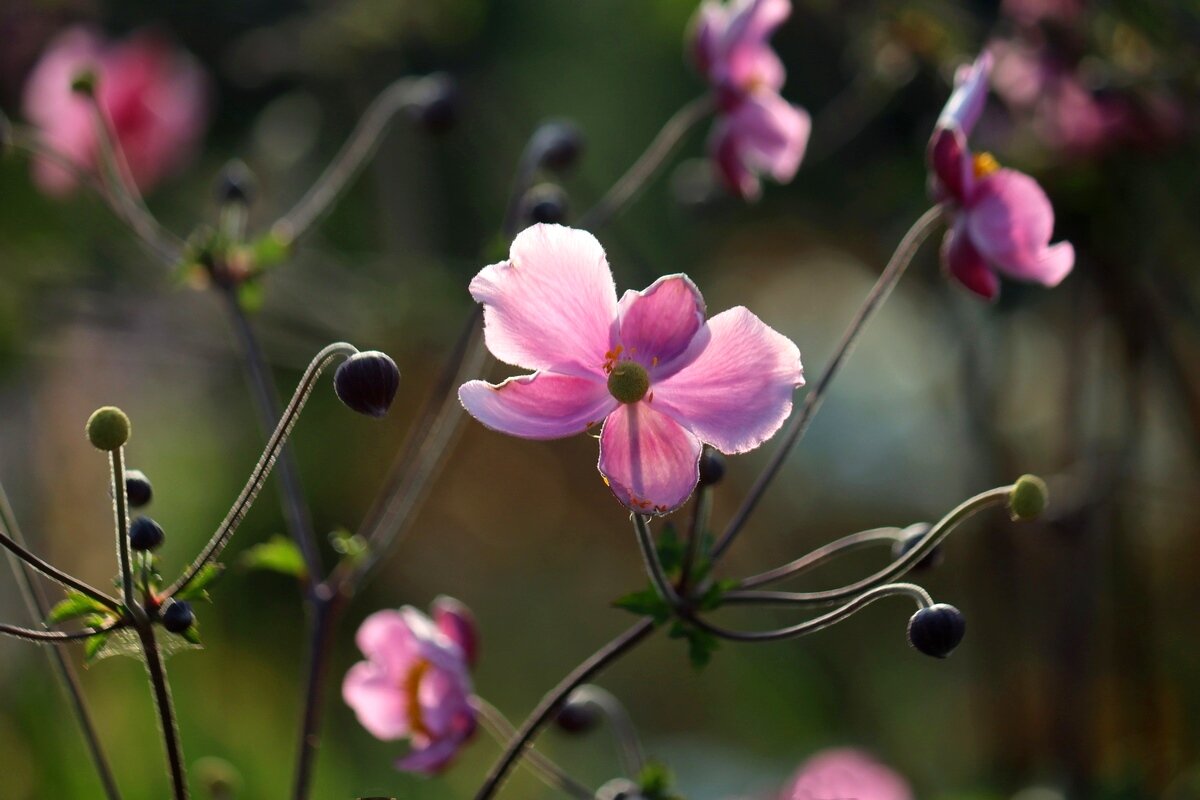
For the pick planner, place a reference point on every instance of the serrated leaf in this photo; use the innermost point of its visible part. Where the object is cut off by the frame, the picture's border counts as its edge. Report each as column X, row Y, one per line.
column 645, row 603
column 701, row 644
column 76, row 604
column 277, row 554
column 198, row 588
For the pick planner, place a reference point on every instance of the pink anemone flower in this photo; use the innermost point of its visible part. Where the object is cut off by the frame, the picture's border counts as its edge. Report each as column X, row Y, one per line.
column 758, row 132
column 843, row 773
column 661, row 379
column 1002, row 220
column 155, row 97
column 415, row 683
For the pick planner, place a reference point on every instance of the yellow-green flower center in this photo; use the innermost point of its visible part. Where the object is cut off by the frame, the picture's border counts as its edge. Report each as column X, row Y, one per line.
column 628, row 381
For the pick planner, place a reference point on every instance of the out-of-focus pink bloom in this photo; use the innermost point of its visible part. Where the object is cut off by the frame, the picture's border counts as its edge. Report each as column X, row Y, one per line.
column 1002, row 220
column 661, row 379
column 845, row 773
column 414, row 685
column 155, row 97
column 457, row 623
column 758, row 132
column 1031, row 12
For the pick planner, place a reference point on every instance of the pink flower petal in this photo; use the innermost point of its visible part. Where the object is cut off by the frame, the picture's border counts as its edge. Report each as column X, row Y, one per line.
column 387, row 639
column 846, row 773
column 963, row 262
column 1010, row 221
column 544, row 405
column 380, row 706
column 764, row 134
column 649, row 460
column 737, row 387
column 950, row 162
column 457, row 623
column 552, row 305
column 444, row 698
column 708, row 26
column 966, row 102
column 431, row 759
column 658, row 324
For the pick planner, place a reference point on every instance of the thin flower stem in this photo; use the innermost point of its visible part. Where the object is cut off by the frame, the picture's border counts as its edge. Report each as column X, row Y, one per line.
column 121, row 519
column 346, row 164
column 262, row 469
column 39, row 608
column 58, row 575
column 633, row 757
column 266, row 402
column 57, row 637
column 701, row 511
column 796, row 429
column 553, row 700
column 823, row 554
column 325, row 610
column 638, row 175
column 166, row 709
column 654, row 568
column 547, row 771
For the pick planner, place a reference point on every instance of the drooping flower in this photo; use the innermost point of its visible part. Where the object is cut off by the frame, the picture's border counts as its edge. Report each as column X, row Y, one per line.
column 1002, row 220
column 415, row 685
column 757, row 131
column 661, row 379
column 154, row 95
column 842, row 773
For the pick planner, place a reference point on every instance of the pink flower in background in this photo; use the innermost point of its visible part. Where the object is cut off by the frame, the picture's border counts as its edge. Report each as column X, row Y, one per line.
column 1002, row 220
column 414, row 685
column 845, row 774
column 154, row 95
column 757, row 132
column 661, row 379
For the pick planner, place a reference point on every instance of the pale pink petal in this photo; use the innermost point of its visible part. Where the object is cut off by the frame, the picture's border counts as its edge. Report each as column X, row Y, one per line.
column 1010, row 221
column 552, row 305
column 965, row 264
column 764, row 134
column 444, row 698
column 539, row 406
column 737, row 387
column 431, row 759
column 380, row 705
column 457, row 623
column 649, row 460
column 966, row 102
column 387, row 640
column 658, row 324
column 950, row 162
column 708, row 28
column 754, row 21
column 842, row 774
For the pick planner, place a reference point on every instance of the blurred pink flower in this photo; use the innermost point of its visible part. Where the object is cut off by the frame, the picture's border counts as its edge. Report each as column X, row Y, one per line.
column 845, row 774
column 757, row 131
column 154, row 95
column 1002, row 220
column 661, row 379
column 414, row 685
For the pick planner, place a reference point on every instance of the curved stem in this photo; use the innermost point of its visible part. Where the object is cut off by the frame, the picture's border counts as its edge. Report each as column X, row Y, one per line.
column 633, row 757
column 166, row 709
column 346, row 164
column 635, row 179
column 554, row 698
column 262, row 469
column 266, row 402
column 58, row 575
column 846, row 544
column 550, row 773
column 812, row 401
column 39, row 608
column 56, row 636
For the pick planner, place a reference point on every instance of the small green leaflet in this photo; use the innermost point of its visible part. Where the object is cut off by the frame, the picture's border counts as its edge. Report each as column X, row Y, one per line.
column 645, row 603
column 654, row 782
column 277, row 554
column 701, row 643
column 92, row 646
column 198, row 588
column 75, row 605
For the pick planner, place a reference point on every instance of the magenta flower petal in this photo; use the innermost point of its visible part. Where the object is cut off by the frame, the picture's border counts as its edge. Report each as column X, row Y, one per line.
column 950, row 161
column 457, row 623
column 431, row 759
column 736, row 390
column 539, row 406
column 650, row 461
column 845, row 773
column 552, row 305
column 966, row 265
column 764, row 135
column 1010, row 221
column 381, row 710
column 966, row 102
column 658, row 323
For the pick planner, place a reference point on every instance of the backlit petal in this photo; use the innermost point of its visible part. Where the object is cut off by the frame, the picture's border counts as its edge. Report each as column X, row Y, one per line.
column 966, row 265
column 377, row 701
column 544, row 405
column 1010, row 221
column 650, row 461
column 659, row 323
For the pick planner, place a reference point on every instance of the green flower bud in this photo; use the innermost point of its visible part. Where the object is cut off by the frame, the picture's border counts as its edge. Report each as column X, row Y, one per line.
column 108, row 428
column 628, row 381
column 1027, row 500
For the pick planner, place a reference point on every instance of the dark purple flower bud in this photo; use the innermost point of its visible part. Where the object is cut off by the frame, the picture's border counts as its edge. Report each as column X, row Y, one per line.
column 178, row 616
column 546, row 203
column 457, row 623
column 145, row 534
column 436, row 102
column 138, row 491
column 937, row 630
column 913, row 535
column 578, row 715
column 558, row 145
column 367, row 383
column 712, row 467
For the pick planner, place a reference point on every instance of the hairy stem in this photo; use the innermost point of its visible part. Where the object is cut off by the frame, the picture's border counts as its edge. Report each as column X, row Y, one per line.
column 121, row 518
column 166, row 710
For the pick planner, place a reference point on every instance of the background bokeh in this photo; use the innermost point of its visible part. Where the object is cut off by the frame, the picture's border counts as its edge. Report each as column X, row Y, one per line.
column 1079, row 673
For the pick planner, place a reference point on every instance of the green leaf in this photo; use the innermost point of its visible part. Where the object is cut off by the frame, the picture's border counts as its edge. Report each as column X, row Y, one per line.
column 715, row 593
column 198, row 588
column 92, row 646
column 269, row 250
column 278, row 554
column 654, row 782
column 75, row 605
column 701, row 644
column 192, row 634
column 645, row 603
column 250, row 296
